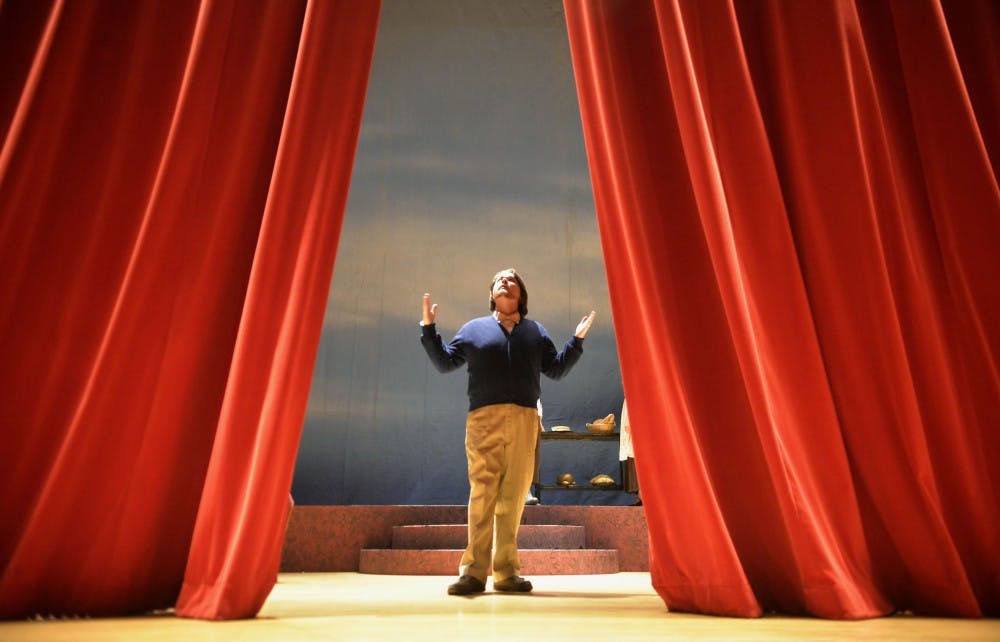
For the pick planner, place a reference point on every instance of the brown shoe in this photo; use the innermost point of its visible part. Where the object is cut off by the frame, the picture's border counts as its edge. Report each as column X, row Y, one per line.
column 466, row 585
column 513, row 584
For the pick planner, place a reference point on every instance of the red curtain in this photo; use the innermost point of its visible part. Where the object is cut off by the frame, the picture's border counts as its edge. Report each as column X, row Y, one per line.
column 799, row 210
column 172, row 181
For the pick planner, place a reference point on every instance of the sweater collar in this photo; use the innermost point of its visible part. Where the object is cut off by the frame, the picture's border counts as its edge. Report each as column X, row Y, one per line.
column 501, row 317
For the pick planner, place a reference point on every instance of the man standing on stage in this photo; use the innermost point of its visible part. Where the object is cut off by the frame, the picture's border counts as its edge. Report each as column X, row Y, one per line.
column 506, row 352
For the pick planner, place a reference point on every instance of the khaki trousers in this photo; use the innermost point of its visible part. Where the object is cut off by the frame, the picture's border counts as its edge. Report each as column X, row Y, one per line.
column 500, row 442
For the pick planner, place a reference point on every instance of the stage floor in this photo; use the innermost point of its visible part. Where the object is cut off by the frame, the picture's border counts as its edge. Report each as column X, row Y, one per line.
column 577, row 608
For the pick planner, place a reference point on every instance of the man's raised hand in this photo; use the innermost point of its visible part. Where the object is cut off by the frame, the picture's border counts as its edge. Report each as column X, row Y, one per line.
column 430, row 311
column 581, row 330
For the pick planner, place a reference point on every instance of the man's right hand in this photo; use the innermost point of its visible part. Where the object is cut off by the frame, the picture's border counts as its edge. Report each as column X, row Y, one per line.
column 430, row 311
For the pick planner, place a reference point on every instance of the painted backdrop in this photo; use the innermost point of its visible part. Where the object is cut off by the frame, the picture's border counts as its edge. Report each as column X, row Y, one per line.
column 471, row 159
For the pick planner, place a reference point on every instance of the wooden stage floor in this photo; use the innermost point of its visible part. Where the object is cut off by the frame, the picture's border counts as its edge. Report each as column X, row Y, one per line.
column 577, row 608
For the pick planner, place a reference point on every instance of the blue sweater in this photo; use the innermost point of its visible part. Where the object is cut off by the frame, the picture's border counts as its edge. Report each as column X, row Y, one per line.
column 503, row 368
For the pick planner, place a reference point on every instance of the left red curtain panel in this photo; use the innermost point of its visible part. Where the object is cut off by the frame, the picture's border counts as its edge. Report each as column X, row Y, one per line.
column 148, row 154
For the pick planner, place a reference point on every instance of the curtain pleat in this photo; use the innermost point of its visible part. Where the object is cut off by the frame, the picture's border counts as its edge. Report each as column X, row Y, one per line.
column 796, row 204
column 236, row 549
column 138, row 163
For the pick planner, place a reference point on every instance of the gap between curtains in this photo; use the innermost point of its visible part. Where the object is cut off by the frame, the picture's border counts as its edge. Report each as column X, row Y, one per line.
column 799, row 217
column 173, row 178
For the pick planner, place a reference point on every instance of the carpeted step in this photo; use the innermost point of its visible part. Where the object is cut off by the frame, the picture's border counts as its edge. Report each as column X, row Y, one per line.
column 388, row 561
column 430, row 536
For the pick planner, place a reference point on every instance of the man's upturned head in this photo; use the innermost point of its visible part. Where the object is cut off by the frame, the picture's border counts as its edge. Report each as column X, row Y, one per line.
column 508, row 284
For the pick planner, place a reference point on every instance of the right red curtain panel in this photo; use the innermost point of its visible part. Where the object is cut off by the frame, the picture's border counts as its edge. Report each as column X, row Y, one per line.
column 799, row 213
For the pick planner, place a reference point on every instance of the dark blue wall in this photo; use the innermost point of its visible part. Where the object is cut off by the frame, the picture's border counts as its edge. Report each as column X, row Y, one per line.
column 471, row 160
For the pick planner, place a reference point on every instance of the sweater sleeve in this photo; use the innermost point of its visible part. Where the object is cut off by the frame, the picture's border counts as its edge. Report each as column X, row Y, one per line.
column 444, row 357
column 557, row 365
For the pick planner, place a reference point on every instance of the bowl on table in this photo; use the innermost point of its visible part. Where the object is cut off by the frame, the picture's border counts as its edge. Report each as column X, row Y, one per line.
column 603, row 481
column 601, row 428
column 566, row 479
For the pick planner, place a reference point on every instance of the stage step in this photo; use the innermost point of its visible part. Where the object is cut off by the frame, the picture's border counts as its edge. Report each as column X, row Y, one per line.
column 436, row 549
column 446, row 536
column 329, row 539
column 534, row 561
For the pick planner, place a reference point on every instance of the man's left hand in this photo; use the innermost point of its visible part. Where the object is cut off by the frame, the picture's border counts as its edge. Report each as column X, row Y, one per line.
column 585, row 323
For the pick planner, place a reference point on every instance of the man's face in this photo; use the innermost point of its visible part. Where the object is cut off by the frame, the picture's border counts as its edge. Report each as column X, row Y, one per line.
column 506, row 286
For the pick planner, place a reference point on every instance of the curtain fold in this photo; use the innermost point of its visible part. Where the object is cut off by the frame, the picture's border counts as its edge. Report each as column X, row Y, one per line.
column 140, row 198
column 796, row 203
column 245, row 502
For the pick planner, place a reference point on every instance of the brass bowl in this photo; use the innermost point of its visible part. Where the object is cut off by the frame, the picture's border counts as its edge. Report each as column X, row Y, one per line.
column 565, row 479
column 601, row 428
column 603, row 481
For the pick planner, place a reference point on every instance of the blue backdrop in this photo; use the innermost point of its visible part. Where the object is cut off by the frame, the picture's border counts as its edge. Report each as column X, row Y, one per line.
column 471, row 159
